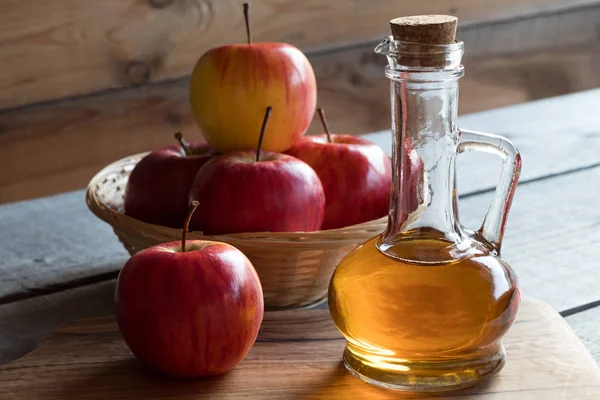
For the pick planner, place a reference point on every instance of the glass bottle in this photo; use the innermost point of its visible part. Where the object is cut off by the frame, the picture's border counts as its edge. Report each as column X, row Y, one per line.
column 424, row 305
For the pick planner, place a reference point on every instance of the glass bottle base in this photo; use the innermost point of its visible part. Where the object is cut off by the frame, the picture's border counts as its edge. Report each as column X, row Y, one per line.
column 423, row 376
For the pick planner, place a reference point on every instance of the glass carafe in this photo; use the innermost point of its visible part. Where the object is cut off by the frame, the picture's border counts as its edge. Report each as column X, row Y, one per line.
column 424, row 305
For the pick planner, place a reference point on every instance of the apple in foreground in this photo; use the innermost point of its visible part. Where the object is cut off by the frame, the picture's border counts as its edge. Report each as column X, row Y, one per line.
column 230, row 86
column 356, row 175
column 190, row 308
column 249, row 191
column 158, row 187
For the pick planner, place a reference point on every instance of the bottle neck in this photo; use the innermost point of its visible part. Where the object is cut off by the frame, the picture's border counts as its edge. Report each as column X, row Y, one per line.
column 425, row 140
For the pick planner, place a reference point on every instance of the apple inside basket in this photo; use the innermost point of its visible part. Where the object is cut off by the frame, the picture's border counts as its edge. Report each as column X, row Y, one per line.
column 294, row 267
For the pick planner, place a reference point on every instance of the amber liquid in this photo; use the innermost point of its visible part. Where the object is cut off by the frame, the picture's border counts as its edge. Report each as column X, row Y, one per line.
column 429, row 315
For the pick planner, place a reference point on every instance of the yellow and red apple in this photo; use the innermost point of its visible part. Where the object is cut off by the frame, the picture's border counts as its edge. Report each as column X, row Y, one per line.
column 231, row 86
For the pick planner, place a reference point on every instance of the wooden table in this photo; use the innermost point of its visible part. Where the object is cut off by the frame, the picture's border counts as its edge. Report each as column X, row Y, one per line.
column 58, row 262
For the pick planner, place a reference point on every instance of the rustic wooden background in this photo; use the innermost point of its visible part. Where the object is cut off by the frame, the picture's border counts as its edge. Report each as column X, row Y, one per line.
column 86, row 82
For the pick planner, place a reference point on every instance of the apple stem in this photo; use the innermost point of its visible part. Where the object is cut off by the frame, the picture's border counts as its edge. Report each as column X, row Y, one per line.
column 324, row 122
column 186, row 224
column 184, row 145
column 247, row 19
column 262, row 131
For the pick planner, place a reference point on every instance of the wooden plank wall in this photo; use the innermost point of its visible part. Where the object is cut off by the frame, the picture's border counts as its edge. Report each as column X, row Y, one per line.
column 85, row 82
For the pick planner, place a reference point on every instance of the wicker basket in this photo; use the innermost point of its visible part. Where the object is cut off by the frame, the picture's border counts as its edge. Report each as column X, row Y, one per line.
column 294, row 267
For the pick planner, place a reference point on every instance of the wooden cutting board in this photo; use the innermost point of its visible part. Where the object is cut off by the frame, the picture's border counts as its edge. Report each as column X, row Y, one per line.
column 297, row 356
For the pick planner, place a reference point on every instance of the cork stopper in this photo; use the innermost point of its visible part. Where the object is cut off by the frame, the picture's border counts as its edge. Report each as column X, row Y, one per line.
column 425, row 29
column 423, row 33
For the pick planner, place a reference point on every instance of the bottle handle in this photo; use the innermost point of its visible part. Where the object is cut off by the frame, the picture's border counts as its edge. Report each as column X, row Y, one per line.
column 492, row 228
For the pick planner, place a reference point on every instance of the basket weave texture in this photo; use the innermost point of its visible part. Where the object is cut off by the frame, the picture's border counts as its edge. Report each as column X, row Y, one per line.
column 294, row 267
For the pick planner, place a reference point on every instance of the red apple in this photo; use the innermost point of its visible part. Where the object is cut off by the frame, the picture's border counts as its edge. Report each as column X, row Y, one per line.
column 356, row 176
column 190, row 308
column 158, row 187
column 248, row 191
column 231, row 85
column 279, row 193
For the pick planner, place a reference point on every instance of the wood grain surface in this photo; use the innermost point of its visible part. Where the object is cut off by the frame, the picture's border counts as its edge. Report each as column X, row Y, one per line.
column 297, row 355
column 54, row 244
column 586, row 325
column 507, row 62
column 26, row 323
column 59, row 148
column 59, row 48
